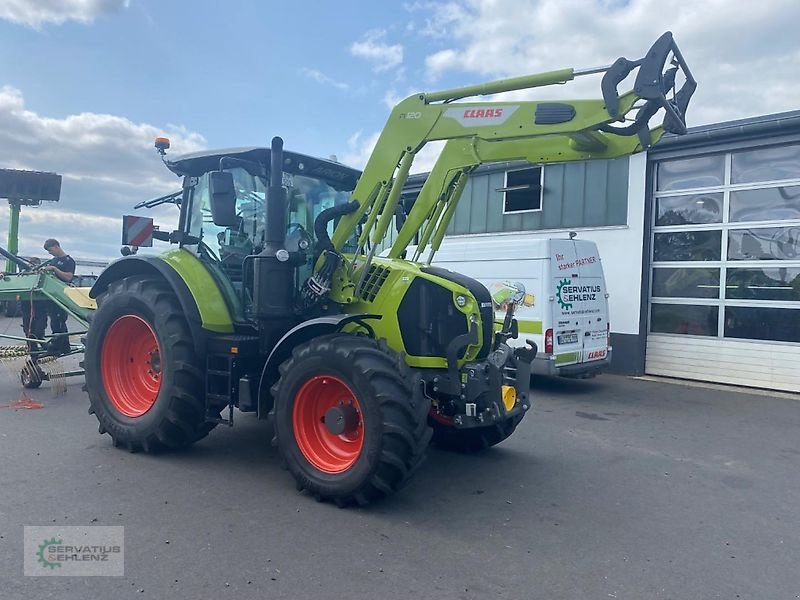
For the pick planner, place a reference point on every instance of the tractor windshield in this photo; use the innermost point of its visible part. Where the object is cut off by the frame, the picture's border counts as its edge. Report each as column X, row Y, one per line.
column 250, row 207
column 229, row 246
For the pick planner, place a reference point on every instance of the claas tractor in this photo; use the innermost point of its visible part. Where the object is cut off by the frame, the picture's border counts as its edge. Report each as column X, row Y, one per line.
column 284, row 294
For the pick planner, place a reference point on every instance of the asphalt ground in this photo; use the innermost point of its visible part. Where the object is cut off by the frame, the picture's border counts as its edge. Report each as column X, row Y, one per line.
column 610, row 488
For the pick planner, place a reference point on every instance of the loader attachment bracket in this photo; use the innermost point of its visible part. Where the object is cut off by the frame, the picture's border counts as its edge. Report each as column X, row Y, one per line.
column 655, row 83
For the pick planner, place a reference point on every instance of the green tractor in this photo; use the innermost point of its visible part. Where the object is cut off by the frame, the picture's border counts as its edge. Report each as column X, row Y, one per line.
column 282, row 295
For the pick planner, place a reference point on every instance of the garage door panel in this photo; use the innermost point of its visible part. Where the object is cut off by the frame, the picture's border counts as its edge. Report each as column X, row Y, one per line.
column 725, row 361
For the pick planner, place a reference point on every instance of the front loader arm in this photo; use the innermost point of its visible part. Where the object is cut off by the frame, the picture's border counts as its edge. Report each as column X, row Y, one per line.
column 483, row 132
column 461, row 156
column 410, row 126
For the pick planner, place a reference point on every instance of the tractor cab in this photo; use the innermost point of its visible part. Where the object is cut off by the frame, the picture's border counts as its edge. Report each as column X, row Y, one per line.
column 226, row 227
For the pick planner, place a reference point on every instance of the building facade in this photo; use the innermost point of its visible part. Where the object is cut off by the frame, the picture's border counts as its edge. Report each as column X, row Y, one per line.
column 700, row 242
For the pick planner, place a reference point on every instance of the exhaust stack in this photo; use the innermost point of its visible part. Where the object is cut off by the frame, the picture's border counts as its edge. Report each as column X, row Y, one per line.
column 273, row 276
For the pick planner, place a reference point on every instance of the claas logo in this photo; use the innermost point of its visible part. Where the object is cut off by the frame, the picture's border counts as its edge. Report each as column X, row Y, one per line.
column 482, row 113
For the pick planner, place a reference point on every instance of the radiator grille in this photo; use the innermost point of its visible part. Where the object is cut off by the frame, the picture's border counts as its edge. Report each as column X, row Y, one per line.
column 375, row 278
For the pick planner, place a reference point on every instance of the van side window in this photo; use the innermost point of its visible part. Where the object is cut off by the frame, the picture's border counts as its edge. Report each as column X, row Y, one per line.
column 523, row 190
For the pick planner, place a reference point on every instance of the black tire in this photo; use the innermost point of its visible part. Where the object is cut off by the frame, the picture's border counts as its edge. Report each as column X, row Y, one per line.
column 475, row 439
column 177, row 417
column 31, row 375
column 393, row 417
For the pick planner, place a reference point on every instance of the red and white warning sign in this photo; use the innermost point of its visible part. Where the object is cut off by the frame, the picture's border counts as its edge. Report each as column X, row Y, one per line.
column 137, row 231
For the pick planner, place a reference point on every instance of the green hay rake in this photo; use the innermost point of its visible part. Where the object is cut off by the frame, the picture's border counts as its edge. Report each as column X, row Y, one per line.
column 41, row 356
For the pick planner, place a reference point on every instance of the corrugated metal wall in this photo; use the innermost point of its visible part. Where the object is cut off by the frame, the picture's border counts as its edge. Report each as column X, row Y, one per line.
column 585, row 194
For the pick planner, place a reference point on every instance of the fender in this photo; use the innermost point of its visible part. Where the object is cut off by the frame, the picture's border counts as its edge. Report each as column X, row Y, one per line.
column 301, row 334
column 156, row 267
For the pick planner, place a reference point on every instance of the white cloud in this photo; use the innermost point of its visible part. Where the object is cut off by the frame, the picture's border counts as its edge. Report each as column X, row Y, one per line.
column 744, row 55
column 439, row 62
column 375, row 50
column 360, row 147
column 426, row 158
column 320, row 77
column 107, row 164
column 441, row 16
column 35, row 13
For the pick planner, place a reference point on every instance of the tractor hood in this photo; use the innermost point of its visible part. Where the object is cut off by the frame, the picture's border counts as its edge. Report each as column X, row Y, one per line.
column 337, row 175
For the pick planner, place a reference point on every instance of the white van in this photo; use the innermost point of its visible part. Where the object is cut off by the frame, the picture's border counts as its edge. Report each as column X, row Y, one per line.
column 559, row 292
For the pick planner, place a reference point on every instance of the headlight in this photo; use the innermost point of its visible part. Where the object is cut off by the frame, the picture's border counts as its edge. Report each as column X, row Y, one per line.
column 461, row 300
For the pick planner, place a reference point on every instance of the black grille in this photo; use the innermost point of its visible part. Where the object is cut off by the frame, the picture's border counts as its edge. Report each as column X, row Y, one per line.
column 481, row 294
column 550, row 113
column 373, row 281
column 428, row 319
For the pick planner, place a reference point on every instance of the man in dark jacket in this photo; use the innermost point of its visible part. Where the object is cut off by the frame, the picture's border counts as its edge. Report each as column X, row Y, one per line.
column 62, row 266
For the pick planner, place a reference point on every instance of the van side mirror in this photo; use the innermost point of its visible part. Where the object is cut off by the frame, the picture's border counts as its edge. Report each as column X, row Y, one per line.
column 222, row 198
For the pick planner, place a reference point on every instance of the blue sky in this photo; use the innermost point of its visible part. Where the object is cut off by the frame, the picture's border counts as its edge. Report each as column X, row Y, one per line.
column 238, row 76
column 86, row 84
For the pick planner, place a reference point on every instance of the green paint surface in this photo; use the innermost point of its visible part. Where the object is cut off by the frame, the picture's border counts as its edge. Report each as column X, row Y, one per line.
column 567, row 358
column 214, row 312
column 529, row 326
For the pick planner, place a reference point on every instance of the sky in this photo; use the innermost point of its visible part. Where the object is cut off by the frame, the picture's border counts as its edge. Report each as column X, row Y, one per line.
column 85, row 85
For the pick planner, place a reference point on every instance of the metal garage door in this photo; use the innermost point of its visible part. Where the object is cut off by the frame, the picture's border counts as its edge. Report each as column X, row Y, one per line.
column 725, row 265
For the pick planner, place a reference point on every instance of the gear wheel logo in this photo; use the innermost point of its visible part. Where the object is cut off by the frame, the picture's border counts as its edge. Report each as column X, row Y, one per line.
column 564, row 305
column 40, row 555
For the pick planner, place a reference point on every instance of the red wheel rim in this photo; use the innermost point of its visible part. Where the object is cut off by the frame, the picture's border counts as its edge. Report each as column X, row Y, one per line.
column 131, row 365
column 327, row 451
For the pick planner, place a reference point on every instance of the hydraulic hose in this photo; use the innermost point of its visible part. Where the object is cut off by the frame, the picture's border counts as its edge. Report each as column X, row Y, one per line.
column 325, row 217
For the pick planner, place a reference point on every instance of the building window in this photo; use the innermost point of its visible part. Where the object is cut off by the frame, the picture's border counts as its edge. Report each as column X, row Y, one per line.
column 684, row 319
column 523, row 190
column 726, row 246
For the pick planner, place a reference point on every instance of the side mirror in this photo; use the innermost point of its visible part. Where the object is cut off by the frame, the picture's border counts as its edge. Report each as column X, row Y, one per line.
column 222, row 198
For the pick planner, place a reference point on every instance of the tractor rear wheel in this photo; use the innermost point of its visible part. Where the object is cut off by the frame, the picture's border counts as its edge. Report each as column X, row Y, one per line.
column 350, row 421
column 144, row 379
column 447, row 437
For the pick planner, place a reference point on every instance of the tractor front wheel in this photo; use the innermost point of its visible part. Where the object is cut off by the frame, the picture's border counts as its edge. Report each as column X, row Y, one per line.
column 447, row 437
column 144, row 379
column 350, row 422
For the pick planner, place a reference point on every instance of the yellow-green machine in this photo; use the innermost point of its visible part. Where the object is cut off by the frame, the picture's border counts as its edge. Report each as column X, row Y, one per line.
column 282, row 296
